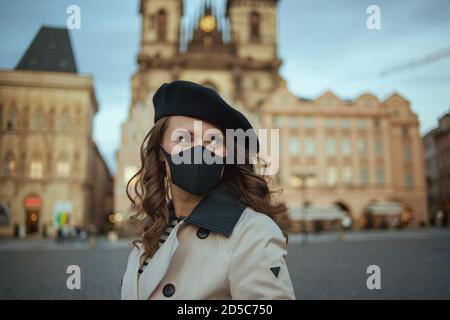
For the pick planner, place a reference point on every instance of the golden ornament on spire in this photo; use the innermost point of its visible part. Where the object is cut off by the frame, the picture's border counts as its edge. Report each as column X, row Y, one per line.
column 208, row 23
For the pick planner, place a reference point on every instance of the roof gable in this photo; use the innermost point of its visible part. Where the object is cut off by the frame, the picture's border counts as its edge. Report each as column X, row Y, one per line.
column 50, row 50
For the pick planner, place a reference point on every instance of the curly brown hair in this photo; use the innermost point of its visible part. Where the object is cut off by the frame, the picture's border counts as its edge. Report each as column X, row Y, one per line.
column 151, row 190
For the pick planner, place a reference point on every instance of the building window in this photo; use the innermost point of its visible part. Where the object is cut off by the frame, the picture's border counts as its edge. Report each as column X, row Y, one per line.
column 309, row 122
column 347, row 175
column 331, row 176
column 161, row 25
column 294, row 146
column 362, row 146
column 255, row 21
column 378, row 148
column 64, row 121
column 128, row 173
column 345, row 123
column 38, row 119
column 293, row 122
column 364, row 176
column 62, row 166
column 9, row 165
column 151, row 22
column 36, row 168
column 361, row 123
column 407, row 153
column 346, row 147
column 380, row 176
column 331, row 147
column 329, row 123
column 276, row 121
column 310, row 146
column 377, row 124
column 255, row 83
column 11, row 122
column 405, row 131
column 409, row 180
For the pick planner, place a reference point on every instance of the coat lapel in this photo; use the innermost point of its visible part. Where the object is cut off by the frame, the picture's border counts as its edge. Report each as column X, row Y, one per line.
column 219, row 211
column 157, row 265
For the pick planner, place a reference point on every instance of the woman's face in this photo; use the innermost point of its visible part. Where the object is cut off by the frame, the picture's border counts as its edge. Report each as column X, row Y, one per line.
column 185, row 132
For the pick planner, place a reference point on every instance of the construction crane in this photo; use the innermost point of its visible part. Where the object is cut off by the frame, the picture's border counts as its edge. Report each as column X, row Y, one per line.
column 427, row 59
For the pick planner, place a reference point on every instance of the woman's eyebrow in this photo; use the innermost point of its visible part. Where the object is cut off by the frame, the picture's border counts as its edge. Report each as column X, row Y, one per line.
column 213, row 133
column 183, row 130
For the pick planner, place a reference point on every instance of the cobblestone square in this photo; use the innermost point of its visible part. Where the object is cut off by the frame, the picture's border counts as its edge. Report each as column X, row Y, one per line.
column 415, row 264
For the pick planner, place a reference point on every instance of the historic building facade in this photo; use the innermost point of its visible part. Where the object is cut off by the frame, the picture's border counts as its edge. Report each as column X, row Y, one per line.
column 437, row 159
column 52, row 173
column 364, row 156
column 380, row 168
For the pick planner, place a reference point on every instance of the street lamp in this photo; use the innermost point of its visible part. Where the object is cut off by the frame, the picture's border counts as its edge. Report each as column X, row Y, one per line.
column 304, row 176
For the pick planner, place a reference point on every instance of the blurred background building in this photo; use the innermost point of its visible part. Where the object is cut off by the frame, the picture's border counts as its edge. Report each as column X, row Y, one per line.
column 357, row 162
column 362, row 159
column 437, row 159
column 52, row 174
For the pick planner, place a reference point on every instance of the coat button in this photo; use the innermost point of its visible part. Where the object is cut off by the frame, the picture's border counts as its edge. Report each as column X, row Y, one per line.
column 169, row 290
column 202, row 233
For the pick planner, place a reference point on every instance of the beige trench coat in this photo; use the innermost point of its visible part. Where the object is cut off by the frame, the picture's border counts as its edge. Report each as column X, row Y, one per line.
column 223, row 250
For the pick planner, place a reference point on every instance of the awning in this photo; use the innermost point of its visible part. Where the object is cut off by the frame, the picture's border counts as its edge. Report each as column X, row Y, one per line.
column 317, row 212
column 386, row 208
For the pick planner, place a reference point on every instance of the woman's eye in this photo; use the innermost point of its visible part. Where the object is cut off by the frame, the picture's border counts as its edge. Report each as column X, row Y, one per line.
column 215, row 140
column 182, row 139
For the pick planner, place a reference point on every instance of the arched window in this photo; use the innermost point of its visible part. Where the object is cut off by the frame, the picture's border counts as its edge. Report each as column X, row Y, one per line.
column 12, row 120
column 64, row 120
column 9, row 164
column 51, row 118
column 76, row 163
column 38, row 119
column 36, row 167
column 255, row 22
column 62, row 166
column 161, row 25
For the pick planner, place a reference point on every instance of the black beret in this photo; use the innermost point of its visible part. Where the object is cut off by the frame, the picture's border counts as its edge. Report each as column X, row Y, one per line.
column 186, row 98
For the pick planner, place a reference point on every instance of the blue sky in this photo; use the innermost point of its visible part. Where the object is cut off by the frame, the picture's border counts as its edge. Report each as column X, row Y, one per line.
column 325, row 45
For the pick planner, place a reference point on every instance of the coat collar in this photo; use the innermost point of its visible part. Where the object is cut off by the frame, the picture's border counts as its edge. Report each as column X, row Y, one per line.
column 219, row 211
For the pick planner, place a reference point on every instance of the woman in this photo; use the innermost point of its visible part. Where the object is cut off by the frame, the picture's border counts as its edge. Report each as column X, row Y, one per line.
column 210, row 230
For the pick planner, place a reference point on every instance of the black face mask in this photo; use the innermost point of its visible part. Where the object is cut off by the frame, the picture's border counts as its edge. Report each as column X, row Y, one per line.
column 199, row 176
